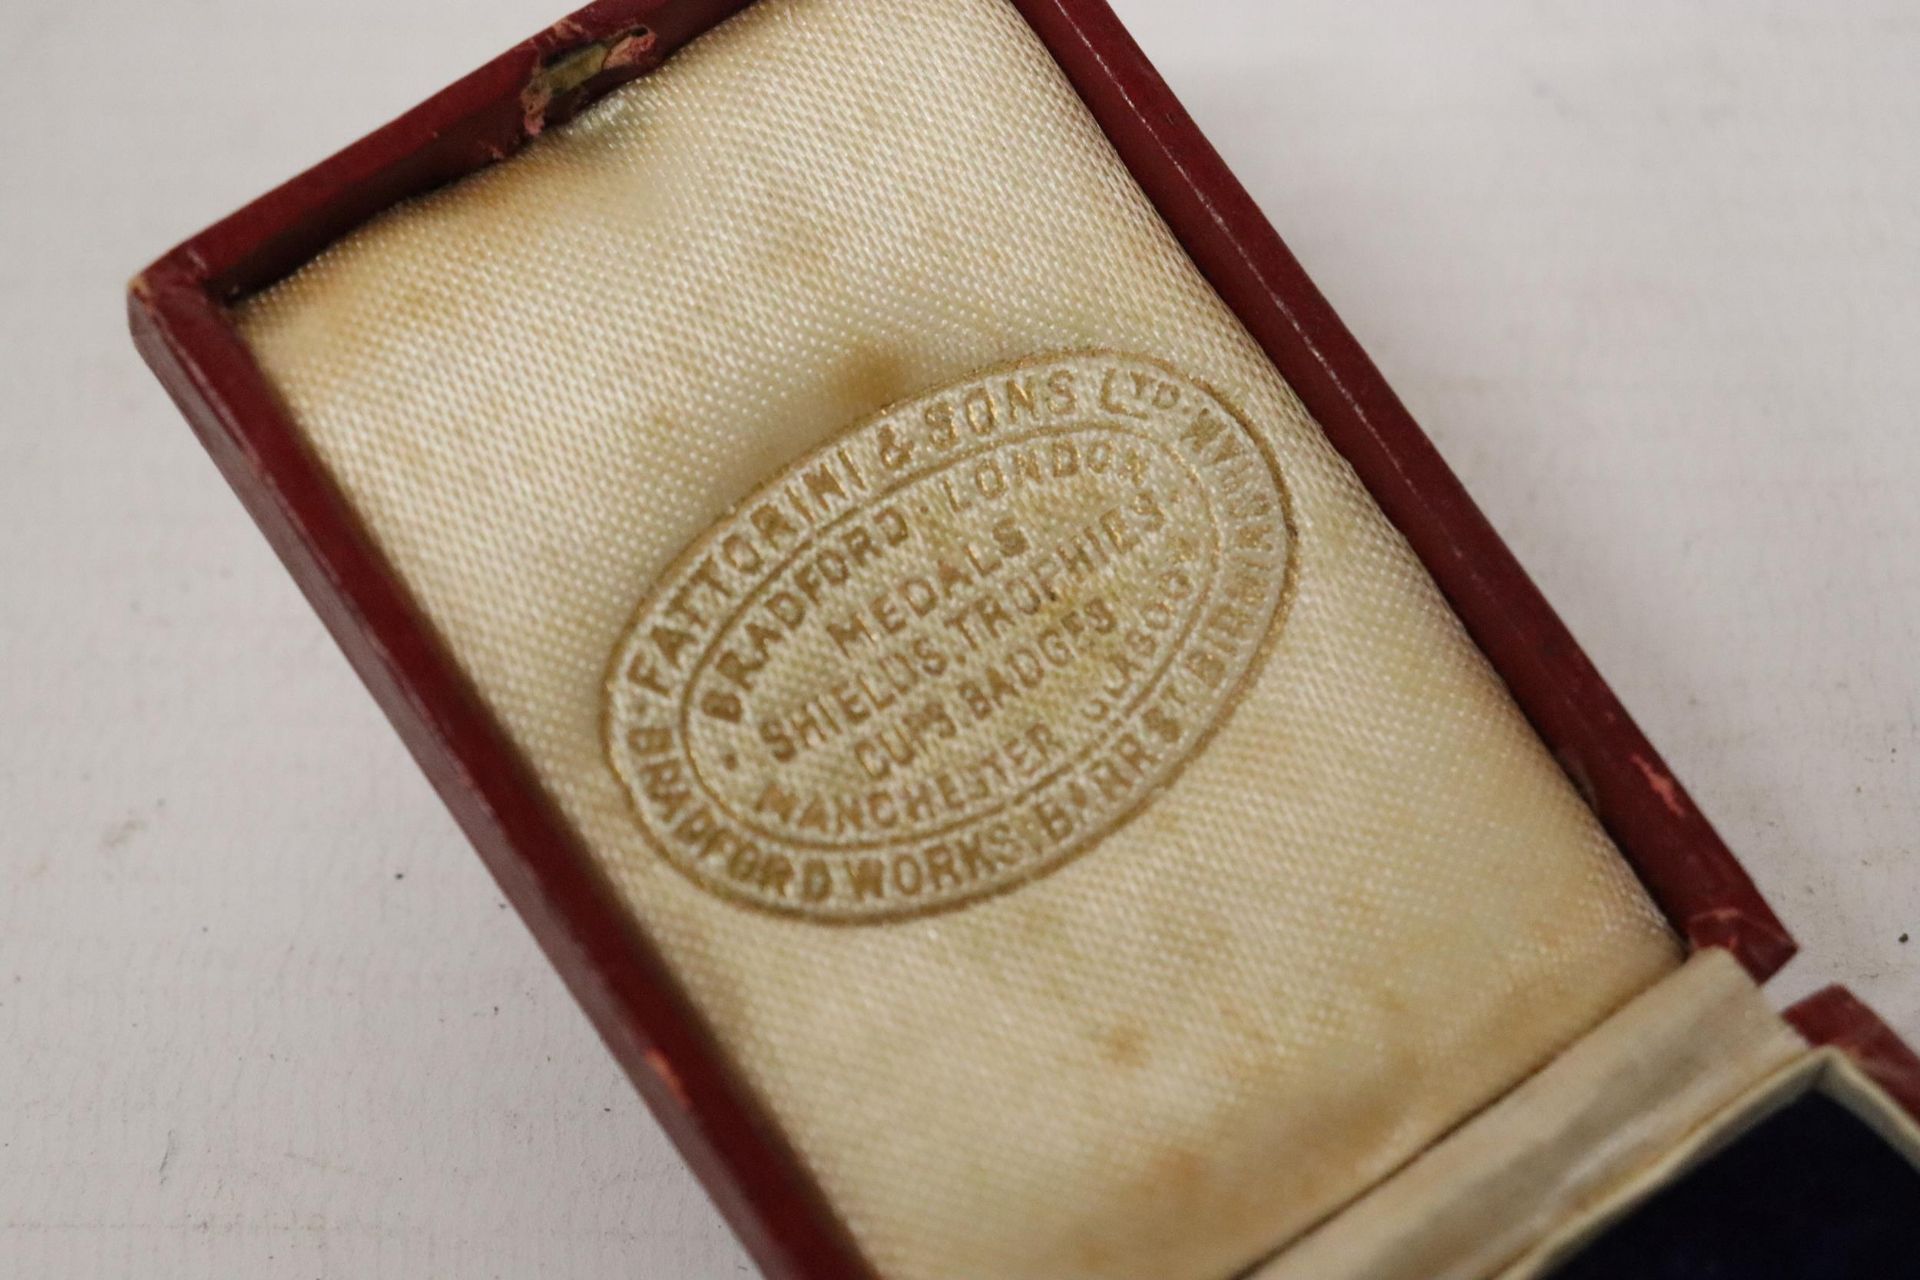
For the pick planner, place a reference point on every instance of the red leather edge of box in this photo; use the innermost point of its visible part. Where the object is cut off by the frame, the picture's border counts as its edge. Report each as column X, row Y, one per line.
column 180, row 323
column 1834, row 1017
column 1690, row 872
column 178, row 312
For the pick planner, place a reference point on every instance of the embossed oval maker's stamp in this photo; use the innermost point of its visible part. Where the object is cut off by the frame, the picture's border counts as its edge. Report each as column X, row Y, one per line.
column 951, row 649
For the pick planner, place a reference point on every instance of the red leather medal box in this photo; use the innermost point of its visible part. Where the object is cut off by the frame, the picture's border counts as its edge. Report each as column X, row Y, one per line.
column 183, row 318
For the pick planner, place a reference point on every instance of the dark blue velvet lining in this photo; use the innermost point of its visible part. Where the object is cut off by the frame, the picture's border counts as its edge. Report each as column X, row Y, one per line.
column 1811, row 1193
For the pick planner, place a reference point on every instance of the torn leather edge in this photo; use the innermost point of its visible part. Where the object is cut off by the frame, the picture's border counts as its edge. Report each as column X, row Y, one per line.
column 477, row 121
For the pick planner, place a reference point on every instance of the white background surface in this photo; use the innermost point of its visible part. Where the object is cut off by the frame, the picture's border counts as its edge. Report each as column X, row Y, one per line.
column 1648, row 272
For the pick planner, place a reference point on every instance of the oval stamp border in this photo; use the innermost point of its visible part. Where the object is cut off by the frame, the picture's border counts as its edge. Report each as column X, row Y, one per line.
column 1078, row 844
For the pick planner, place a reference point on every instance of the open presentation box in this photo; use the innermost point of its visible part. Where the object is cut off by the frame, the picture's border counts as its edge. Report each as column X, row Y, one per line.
column 1026, row 754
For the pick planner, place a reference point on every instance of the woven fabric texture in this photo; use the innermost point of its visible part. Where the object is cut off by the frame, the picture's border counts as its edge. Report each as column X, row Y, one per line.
column 1371, row 904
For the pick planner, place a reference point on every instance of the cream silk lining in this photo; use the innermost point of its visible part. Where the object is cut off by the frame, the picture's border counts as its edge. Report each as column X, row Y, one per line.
column 1369, row 905
column 1664, row 1084
column 1595, row 1120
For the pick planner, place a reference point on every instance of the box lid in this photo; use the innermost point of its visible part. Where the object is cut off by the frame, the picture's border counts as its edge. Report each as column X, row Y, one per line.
column 182, row 320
